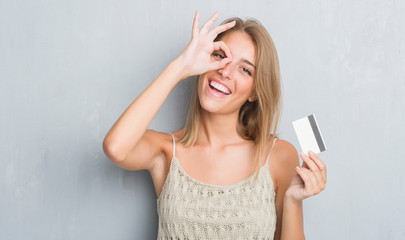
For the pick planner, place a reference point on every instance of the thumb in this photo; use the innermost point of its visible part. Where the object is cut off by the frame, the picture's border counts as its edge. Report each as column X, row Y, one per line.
column 219, row 64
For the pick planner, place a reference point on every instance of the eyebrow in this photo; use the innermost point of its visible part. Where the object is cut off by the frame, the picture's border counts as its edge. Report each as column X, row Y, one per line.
column 248, row 62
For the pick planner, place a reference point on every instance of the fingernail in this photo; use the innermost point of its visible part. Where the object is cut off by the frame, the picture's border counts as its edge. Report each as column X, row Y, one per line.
column 302, row 154
column 311, row 153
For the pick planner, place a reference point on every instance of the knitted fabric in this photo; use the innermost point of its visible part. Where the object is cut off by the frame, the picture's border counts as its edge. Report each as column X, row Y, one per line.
column 190, row 209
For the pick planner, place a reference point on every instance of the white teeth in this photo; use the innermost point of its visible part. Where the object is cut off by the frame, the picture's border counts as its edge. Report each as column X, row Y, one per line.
column 219, row 87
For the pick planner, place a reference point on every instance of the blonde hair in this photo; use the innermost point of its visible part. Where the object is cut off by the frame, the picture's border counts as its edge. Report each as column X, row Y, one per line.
column 258, row 120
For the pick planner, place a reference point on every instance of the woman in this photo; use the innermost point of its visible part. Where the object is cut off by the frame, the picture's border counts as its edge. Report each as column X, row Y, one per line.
column 225, row 175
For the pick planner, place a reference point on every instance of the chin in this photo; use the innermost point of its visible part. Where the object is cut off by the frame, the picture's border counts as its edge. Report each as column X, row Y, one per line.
column 209, row 106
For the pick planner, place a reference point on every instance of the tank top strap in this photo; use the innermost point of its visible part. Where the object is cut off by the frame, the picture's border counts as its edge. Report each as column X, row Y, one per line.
column 174, row 145
column 268, row 157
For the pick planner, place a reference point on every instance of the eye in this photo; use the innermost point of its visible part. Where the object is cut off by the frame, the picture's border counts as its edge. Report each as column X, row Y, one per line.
column 218, row 55
column 246, row 71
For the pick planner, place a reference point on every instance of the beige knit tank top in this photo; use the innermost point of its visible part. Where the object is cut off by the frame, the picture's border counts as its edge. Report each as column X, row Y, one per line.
column 190, row 209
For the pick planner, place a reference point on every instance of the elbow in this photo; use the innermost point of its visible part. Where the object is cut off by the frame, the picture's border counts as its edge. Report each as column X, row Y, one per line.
column 111, row 152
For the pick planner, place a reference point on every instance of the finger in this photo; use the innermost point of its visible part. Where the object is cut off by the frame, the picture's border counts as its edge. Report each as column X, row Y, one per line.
column 304, row 164
column 319, row 163
column 195, row 24
column 317, row 183
column 209, row 23
column 317, row 160
column 313, row 167
column 222, row 28
column 219, row 64
column 222, row 46
column 222, row 63
column 312, row 186
column 308, row 184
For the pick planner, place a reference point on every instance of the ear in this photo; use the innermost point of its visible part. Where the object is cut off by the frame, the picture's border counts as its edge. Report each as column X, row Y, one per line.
column 252, row 98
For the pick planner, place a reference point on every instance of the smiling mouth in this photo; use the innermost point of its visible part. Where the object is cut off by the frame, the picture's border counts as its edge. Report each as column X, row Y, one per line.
column 219, row 87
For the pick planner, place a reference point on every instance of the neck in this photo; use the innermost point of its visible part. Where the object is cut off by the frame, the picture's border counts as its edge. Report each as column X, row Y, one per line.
column 218, row 129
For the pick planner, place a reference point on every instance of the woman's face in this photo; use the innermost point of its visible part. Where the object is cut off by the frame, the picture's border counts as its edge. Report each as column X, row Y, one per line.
column 225, row 90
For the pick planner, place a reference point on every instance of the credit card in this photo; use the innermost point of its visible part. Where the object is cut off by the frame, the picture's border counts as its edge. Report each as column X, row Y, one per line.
column 309, row 135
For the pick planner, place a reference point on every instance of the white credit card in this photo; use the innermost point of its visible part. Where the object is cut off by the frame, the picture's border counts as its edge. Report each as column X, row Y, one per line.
column 309, row 134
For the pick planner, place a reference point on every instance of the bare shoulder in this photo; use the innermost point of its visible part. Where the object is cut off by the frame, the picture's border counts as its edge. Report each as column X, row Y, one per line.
column 162, row 164
column 149, row 153
column 155, row 135
column 162, row 141
column 285, row 152
column 284, row 159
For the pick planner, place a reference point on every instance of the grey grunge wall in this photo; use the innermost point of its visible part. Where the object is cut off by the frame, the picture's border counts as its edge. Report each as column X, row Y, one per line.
column 68, row 69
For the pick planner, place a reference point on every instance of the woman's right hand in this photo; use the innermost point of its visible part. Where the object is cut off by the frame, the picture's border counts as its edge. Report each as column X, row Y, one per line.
column 128, row 143
column 196, row 57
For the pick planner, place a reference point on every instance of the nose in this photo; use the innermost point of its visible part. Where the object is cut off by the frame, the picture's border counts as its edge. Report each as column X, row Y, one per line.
column 226, row 71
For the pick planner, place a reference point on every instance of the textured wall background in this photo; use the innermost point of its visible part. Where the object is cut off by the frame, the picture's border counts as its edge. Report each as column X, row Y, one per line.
column 68, row 69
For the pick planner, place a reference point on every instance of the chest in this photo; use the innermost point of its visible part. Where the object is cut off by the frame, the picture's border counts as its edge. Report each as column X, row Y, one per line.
column 237, row 211
column 220, row 166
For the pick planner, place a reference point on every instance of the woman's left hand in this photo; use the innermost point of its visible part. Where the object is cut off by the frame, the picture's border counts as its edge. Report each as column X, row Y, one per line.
column 310, row 178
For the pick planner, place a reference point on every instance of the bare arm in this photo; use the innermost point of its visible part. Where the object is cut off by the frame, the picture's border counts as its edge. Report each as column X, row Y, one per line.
column 287, row 160
column 294, row 185
column 292, row 223
column 128, row 143
column 130, row 128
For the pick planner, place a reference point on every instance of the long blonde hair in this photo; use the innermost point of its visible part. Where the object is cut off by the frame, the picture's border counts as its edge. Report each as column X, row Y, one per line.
column 258, row 120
